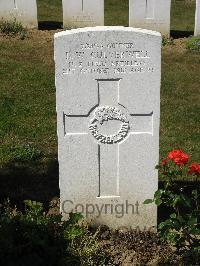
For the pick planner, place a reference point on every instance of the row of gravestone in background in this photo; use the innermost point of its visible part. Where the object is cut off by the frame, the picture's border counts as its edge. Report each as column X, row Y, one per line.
column 148, row 14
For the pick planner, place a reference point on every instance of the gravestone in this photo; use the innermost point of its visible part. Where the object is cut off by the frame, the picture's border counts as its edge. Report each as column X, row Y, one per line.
column 23, row 11
column 108, row 108
column 150, row 14
column 197, row 19
column 83, row 13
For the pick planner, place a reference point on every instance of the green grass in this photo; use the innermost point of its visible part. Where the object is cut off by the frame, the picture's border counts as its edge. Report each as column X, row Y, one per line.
column 49, row 10
column 180, row 99
column 193, row 44
column 116, row 12
column 27, row 90
column 27, row 99
column 183, row 15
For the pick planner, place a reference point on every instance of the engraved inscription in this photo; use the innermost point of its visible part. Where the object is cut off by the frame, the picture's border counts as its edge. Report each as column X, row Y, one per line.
column 83, row 17
column 111, row 58
column 107, row 113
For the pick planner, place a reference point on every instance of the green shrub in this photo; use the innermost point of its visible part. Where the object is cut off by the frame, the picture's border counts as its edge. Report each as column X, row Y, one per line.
column 32, row 238
column 88, row 249
column 182, row 228
column 167, row 41
column 193, row 44
column 36, row 238
column 13, row 28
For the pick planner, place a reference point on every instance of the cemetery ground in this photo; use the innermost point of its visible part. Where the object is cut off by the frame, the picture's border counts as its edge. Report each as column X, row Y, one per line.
column 28, row 152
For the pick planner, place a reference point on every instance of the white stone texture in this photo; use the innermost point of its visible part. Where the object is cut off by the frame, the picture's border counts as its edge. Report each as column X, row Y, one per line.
column 83, row 13
column 150, row 14
column 24, row 11
column 108, row 111
column 197, row 19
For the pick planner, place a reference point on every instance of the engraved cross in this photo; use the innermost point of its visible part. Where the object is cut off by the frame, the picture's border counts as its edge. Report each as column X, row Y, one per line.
column 109, row 146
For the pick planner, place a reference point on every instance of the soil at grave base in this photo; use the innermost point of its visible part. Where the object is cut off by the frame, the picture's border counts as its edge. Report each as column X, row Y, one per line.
column 137, row 248
column 130, row 248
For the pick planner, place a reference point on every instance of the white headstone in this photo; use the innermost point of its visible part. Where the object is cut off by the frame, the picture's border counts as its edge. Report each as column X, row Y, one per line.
column 150, row 14
column 197, row 19
column 108, row 108
column 83, row 13
column 24, row 11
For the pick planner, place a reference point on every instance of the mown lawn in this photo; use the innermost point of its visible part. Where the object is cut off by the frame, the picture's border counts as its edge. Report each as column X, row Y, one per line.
column 183, row 15
column 49, row 10
column 27, row 90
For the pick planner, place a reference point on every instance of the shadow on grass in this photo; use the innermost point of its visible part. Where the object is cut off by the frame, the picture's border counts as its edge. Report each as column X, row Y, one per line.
column 180, row 34
column 37, row 181
column 49, row 25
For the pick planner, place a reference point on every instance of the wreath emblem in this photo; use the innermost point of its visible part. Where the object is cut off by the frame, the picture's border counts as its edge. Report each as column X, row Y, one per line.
column 106, row 113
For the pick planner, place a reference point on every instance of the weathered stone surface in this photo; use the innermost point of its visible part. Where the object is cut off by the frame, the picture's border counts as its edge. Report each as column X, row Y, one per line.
column 197, row 19
column 150, row 14
column 108, row 109
column 24, row 11
column 83, row 13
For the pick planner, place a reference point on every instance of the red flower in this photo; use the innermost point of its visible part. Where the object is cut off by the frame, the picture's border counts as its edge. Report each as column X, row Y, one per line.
column 178, row 156
column 194, row 168
column 164, row 162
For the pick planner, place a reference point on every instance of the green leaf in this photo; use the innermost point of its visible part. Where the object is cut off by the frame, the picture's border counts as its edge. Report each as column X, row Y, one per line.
column 176, row 200
column 192, row 221
column 181, row 219
column 173, row 215
column 74, row 218
column 72, row 232
column 162, row 225
column 158, row 193
column 158, row 202
column 148, row 201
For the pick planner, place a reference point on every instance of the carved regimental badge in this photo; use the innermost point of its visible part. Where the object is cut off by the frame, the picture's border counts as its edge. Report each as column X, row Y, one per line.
column 106, row 113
